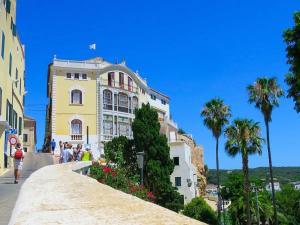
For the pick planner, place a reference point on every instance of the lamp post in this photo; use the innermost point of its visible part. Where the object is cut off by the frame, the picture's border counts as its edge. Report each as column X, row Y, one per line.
column 140, row 161
column 255, row 189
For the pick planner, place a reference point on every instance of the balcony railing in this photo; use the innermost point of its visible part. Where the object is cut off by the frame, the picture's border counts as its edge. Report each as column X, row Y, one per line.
column 119, row 85
column 76, row 137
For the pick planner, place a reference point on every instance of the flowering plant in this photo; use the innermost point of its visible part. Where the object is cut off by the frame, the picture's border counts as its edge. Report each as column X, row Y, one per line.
column 116, row 178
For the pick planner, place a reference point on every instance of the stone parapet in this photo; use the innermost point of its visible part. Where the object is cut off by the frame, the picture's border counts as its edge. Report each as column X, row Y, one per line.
column 58, row 195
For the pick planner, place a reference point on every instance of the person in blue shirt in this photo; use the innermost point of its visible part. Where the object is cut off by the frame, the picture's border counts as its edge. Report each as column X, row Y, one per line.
column 53, row 145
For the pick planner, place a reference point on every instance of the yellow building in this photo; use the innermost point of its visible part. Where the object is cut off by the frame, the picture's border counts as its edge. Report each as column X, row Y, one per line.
column 29, row 134
column 12, row 69
column 93, row 101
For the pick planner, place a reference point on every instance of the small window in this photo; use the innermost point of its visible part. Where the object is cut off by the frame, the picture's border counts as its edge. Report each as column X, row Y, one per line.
column 76, row 97
column 163, row 102
column 25, row 149
column 84, row 76
column 3, row 45
column 153, row 97
column 69, row 76
column 76, row 76
column 76, row 126
column 111, row 79
column 17, row 77
column 176, row 161
column 25, row 137
column 177, row 181
column 10, row 64
column 20, row 125
column 121, row 80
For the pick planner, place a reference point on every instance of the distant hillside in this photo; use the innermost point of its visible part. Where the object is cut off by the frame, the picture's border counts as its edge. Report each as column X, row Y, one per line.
column 282, row 174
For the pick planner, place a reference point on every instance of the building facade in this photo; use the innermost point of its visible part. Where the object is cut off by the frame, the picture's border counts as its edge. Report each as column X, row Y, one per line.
column 93, row 101
column 12, row 70
column 29, row 135
column 184, row 175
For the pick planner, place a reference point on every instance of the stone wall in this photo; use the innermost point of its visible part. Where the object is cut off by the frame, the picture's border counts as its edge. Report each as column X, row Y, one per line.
column 57, row 195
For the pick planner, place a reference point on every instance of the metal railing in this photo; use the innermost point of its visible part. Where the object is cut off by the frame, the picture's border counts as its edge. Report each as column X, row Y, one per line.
column 119, row 85
column 76, row 137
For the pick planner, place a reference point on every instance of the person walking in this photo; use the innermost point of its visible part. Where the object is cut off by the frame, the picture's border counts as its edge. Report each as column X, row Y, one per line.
column 87, row 154
column 18, row 155
column 61, row 149
column 53, row 145
column 79, row 153
column 66, row 153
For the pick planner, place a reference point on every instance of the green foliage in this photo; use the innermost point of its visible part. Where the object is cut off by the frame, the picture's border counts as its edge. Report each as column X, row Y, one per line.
column 288, row 200
column 200, row 210
column 283, row 175
column 292, row 39
column 120, row 151
column 216, row 115
column 114, row 150
column 158, row 165
column 265, row 94
column 243, row 137
column 233, row 190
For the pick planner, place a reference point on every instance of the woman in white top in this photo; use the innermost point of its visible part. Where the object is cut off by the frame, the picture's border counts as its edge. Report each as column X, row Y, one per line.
column 18, row 155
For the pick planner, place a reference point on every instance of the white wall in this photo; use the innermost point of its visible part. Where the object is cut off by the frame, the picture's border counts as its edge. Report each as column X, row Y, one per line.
column 185, row 170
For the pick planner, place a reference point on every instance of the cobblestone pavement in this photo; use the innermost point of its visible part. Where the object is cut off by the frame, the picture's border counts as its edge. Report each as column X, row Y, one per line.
column 9, row 191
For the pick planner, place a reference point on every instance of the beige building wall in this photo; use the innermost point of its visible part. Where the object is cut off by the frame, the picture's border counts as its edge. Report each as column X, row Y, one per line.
column 29, row 135
column 12, row 67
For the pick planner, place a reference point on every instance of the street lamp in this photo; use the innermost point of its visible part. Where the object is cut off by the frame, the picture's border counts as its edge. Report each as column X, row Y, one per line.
column 255, row 189
column 140, row 161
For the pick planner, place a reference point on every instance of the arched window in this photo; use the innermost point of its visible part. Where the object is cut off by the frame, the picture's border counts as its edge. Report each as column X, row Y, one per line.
column 135, row 103
column 76, row 126
column 107, row 99
column 123, row 102
column 76, row 97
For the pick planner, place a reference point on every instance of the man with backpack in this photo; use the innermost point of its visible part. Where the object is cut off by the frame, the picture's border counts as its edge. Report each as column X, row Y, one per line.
column 18, row 155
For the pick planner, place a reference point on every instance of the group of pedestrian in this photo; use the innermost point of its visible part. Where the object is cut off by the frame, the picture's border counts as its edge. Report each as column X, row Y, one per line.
column 70, row 153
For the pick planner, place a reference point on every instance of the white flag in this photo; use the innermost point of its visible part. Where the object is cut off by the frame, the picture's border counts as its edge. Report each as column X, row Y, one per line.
column 92, row 47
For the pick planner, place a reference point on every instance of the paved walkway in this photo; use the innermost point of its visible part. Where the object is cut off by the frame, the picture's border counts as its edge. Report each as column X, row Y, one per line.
column 9, row 191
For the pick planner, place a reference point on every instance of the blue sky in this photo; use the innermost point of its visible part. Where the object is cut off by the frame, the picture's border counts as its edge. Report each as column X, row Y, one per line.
column 192, row 51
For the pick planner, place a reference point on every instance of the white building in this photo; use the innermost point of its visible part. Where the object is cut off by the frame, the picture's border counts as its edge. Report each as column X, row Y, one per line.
column 184, row 174
column 296, row 185
column 276, row 186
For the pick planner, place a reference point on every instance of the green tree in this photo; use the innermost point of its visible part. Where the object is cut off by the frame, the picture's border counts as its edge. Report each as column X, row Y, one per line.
column 288, row 200
column 292, row 39
column 200, row 210
column 121, row 152
column 233, row 190
column 216, row 116
column 158, row 165
column 244, row 137
column 264, row 93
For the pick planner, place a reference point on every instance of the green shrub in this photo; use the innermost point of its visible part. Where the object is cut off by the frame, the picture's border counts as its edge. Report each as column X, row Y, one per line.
column 200, row 210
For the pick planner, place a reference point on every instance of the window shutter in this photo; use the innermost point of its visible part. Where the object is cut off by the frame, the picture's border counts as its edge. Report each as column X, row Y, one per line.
column 8, row 6
column 15, row 30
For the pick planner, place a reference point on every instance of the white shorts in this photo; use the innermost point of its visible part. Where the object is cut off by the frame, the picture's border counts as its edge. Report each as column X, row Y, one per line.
column 18, row 164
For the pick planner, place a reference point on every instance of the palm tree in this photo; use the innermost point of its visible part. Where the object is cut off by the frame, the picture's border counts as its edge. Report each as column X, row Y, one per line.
column 244, row 137
column 264, row 93
column 216, row 115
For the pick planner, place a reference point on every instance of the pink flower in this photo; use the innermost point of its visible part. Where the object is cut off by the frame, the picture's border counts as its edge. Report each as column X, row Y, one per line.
column 114, row 173
column 150, row 195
